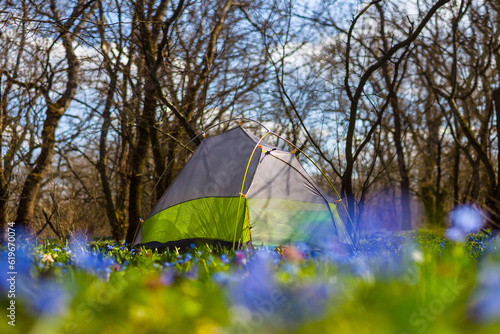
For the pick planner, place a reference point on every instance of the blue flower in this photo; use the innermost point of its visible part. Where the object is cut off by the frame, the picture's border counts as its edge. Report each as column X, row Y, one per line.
column 88, row 261
column 47, row 298
column 259, row 293
column 222, row 277
column 167, row 277
column 224, row 258
column 464, row 219
column 485, row 304
column 192, row 274
column 258, row 286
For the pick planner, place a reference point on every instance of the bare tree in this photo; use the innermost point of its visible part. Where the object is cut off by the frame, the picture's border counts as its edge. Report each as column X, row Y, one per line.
column 456, row 85
column 67, row 30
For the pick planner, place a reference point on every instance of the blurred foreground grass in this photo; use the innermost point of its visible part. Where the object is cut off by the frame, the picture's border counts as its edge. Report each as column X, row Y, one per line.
column 413, row 283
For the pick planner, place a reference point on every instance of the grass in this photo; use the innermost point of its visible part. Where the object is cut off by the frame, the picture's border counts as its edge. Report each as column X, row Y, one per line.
column 413, row 283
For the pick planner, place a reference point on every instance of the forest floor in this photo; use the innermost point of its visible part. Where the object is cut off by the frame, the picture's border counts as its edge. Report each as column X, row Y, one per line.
column 416, row 282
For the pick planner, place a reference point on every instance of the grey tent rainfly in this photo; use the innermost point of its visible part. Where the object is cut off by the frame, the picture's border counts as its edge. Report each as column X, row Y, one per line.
column 237, row 189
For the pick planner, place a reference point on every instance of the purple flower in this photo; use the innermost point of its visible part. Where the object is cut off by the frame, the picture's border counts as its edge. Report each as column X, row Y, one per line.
column 464, row 219
column 258, row 295
column 240, row 257
column 167, row 277
column 257, row 286
column 485, row 304
column 222, row 277
column 86, row 260
column 47, row 298
column 22, row 265
column 192, row 273
column 224, row 258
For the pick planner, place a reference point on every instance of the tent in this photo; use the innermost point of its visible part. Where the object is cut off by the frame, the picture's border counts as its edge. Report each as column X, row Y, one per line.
column 238, row 189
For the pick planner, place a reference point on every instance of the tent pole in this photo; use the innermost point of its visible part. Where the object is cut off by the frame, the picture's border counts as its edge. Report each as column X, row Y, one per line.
column 243, row 184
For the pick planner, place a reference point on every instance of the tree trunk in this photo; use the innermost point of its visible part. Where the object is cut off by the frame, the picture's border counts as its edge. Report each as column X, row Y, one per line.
column 347, row 190
column 493, row 200
column 117, row 227
column 456, row 170
column 403, row 170
column 4, row 204
column 26, row 208
column 138, row 160
column 31, row 188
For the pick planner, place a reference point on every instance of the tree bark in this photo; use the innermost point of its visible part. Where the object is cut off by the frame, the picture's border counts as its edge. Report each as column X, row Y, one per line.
column 148, row 35
column 347, row 185
column 493, row 200
column 118, row 224
column 26, row 208
column 54, row 112
column 398, row 133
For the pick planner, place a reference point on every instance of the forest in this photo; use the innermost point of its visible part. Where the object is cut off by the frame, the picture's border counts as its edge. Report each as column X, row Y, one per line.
column 102, row 102
column 370, row 134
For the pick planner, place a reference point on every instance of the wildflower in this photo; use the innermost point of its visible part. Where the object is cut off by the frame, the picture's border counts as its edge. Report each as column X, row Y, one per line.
column 239, row 257
column 257, row 292
column 47, row 258
column 224, row 258
column 257, row 287
column 485, row 304
column 291, row 268
column 192, row 274
column 464, row 220
column 167, row 277
column 293, row 254
column 222, row 277
column 303, row 304
column 417, row 256
column 95, row 262
column 47, row 298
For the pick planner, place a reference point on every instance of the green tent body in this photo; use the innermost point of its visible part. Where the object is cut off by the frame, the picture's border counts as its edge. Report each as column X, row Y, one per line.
column 237, row 189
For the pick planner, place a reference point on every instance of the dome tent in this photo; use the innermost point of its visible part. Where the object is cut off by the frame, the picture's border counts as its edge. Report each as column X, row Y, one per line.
column 238, row 189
